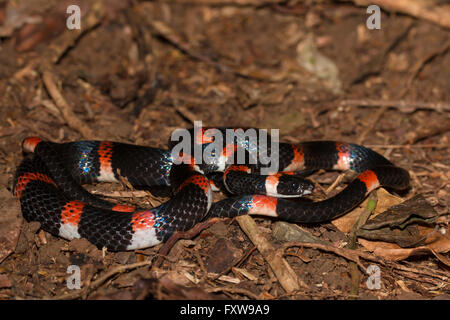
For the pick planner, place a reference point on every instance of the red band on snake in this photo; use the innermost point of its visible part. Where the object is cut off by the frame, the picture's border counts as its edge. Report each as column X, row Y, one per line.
column 48, row 184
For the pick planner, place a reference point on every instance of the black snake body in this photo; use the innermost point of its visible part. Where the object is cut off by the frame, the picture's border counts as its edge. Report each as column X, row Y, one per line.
column 48, row 185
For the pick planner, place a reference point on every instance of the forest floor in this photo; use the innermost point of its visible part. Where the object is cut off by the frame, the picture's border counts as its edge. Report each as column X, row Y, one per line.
column 312, row 69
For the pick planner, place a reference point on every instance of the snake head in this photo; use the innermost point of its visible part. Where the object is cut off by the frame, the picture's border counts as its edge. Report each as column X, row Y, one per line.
column 291, row 186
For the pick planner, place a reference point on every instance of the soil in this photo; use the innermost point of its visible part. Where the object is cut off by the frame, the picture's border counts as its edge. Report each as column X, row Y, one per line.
column 143, row 69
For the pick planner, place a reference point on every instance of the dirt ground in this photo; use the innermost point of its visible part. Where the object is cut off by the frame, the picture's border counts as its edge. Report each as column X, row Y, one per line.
column 140, row 69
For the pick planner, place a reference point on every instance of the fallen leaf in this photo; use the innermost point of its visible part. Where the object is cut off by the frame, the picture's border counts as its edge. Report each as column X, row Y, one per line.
column 223, row 256
column 391, row 251
column 285, row 231
column 385, row 201
column 416, row 209
column 404, row 224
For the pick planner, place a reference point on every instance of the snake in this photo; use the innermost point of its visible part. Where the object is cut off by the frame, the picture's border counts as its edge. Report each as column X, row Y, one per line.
column 48, row 184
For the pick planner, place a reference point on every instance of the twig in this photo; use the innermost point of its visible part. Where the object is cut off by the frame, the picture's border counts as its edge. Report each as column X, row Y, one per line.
column 69, row 116
column 286, row 276
column 421, row 63
column 401, row 105
column 185, row 113
column 69, row 38
column 444, row 276
column 122, row 194
column 182, row 111
column 234, row 290
column 171, row 36
column 407, row 146
column 313, row 116
column 362, row 219
column 245, row 256
column 37, row 129
column 201, row 264
column 124, row 181
column 6, row 132
column 443, row 126
column 335, row 183
column 352, row 255
column 182, row 235
column 27, row 70
column 421, row 279
column 372, row 124
column 375, row 65
column 50, row 106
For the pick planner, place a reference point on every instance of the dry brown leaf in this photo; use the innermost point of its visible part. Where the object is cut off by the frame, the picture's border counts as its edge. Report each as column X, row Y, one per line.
column 223, row 256
column 437, row 243
column 385, row 201
column 285, row 231
column 442, row 258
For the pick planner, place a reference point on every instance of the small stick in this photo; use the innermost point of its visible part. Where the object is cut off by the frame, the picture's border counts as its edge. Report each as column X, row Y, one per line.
column 442, row 275
column 234, row 290
column 37, row 129
column 245, row 256
column 282, row 270
column 407, row 146
column 335, row 183
column 185, row 113
column 442, row 127
column 201, row 264
column 249, row 252
column 402, row 105
column 176, row 40
column 312, row 115
column 372, row 124
column 69, row 116
column 182, row 235
column 362, row 219
column 122, row 194
column 59, row 48
column 421, row 63
column 352, row 255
